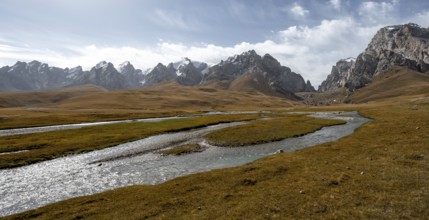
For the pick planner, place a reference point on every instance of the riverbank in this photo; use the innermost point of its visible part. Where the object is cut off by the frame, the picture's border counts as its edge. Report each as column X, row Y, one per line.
column 37, row 147
column 379, row 172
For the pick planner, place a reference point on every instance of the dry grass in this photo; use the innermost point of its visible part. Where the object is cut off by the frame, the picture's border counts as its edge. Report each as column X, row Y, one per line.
column 379, row 172
column 89, row 105
column 396, row 83
column 49, row 145
column 268, row 130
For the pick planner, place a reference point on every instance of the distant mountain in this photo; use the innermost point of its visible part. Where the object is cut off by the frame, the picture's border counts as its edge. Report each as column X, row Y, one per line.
column 35, row 75
column 184, row 72
column 400, row 45
column 134, row 77
column 103, row 74
column 32, row 76
column 159, row 74
column 249, row 71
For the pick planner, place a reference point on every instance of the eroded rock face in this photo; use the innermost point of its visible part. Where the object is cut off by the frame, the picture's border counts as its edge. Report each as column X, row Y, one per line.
column 338, row 75
column 399, row 45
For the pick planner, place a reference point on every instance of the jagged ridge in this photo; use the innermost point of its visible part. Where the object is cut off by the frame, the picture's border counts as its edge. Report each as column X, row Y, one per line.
column 247, row 71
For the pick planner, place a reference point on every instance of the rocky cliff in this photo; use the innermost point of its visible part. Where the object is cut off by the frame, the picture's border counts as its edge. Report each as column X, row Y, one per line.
column 399, row 45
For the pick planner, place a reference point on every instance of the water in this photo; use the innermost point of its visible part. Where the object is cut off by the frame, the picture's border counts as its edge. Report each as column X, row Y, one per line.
column 138, row 162
column 16, row 131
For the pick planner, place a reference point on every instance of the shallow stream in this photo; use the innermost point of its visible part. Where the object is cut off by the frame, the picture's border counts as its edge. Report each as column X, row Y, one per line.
column 139, row 162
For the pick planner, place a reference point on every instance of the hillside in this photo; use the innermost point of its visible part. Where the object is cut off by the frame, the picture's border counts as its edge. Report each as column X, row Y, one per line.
column 90, row 103
column 397, row 83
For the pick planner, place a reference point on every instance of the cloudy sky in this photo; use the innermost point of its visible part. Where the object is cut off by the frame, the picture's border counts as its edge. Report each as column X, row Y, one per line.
column 308, row 36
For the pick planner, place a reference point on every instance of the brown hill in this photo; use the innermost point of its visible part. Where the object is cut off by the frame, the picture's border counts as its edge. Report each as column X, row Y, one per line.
column 394, row 84
column 90, row 103
column 42, row 98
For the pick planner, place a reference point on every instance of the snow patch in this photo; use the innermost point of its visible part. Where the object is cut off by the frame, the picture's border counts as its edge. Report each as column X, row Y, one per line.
column 122, row 66
column 350, row 59
column 102, row 64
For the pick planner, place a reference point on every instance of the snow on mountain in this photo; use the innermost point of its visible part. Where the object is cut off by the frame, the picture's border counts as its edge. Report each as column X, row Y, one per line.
column 102, row 64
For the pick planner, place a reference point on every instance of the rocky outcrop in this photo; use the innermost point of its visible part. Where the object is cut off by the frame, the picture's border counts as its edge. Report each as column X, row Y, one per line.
column 338, row 75
column 399, row 45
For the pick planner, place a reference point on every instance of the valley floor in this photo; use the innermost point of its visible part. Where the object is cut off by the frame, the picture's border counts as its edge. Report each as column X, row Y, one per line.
column 379, row 172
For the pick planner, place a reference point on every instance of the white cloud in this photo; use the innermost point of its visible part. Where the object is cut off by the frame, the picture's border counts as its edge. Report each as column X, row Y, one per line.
column 421, row 18
column 378, row 11
column 336, row 4
column 171, row 19
column 298, row 10
column 310, row 51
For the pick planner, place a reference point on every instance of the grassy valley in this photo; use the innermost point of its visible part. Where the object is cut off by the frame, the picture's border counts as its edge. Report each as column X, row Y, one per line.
column 379, row 172
column 20, row 109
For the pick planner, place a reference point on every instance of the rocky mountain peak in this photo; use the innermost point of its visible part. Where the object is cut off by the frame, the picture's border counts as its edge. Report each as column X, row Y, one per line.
column 246, row 59
column 159, row 74
column 261, row 73
column 125, row 67
column 103, row 64
column 399, row 45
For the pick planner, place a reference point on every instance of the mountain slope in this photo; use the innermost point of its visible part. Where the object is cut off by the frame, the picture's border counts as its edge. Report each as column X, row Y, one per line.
column 394, row 84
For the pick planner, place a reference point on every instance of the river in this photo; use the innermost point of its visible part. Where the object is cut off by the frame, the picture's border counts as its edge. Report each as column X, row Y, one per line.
column 139, row 162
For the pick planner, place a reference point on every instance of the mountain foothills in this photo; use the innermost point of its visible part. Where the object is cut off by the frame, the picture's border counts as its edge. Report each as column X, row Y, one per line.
column 247, row 71
column 399, row 45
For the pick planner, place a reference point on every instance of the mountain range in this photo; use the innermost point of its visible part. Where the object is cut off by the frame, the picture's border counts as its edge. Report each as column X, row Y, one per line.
column 247, row 71
column 399, row 45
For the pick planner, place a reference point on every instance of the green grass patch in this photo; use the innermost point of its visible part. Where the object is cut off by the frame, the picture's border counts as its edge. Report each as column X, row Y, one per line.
column 182, row 149
column 268, row 130
column 49, row 145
